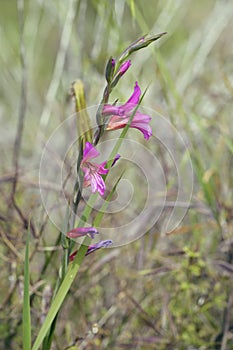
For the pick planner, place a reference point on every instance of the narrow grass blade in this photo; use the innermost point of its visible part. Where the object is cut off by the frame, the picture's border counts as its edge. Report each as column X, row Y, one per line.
column 102, row 210
column 26, row 299
column 229, row 143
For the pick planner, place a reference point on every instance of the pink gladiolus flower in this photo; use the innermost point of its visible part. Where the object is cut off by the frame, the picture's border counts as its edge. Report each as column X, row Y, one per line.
column 82, row 231
column 93, row 171
column 92, row 248
column 121, row 115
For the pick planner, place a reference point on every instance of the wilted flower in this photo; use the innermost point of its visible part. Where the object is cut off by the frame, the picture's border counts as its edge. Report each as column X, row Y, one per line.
column 93, row 247
column 82, row 231
column 120, row 115
column 93, row 171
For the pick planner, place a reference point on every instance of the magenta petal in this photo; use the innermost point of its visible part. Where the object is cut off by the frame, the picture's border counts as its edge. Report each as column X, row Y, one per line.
column 142, row 118
column 134, row 98
column 112, row 110
column 93, row 171
column 93, row 181
column 102, row 169
column 100, row 184
column 89, row 152
column 87, row 176
column 97, row 184
column 145, row 129
column 86, row 171
column 141, row 122
column 117, row 122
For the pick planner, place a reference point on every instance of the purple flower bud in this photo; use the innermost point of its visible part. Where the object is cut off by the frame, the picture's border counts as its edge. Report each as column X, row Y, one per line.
column 92, row 248
column 124, row 67
column 116, row 159
column 101, row 244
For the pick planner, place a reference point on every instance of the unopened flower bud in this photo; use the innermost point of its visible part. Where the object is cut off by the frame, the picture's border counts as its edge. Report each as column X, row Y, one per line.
column 110, row 69
column 124, row 67
column 139, row 44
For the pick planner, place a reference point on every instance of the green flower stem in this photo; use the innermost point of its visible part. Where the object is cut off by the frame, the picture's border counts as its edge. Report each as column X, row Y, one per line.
column 93, row 197
column 74, row 267
column 72, row 271
column 101, row 212
column 67, row 246
column 26, row 299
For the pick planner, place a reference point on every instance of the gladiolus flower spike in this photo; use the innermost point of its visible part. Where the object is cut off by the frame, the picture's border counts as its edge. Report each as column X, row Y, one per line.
column 120, row 115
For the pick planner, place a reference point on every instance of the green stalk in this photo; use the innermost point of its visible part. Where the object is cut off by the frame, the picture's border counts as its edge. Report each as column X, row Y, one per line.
column 101, row 212
column 26, row 299
column 72, row 271
column 93, row 197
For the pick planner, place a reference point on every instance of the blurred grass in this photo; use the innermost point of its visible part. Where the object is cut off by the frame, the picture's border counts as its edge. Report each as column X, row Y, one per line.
column 163, row 292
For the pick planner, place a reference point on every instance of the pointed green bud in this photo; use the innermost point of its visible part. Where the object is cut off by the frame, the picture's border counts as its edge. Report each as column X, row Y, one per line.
column 109, row 72
column 139, row 44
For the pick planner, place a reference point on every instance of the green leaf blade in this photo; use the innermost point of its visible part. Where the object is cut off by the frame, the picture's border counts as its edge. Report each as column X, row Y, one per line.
column 26, row 300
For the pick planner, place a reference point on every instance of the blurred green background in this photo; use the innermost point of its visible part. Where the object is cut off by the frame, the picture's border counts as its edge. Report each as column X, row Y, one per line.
column 160, row 292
